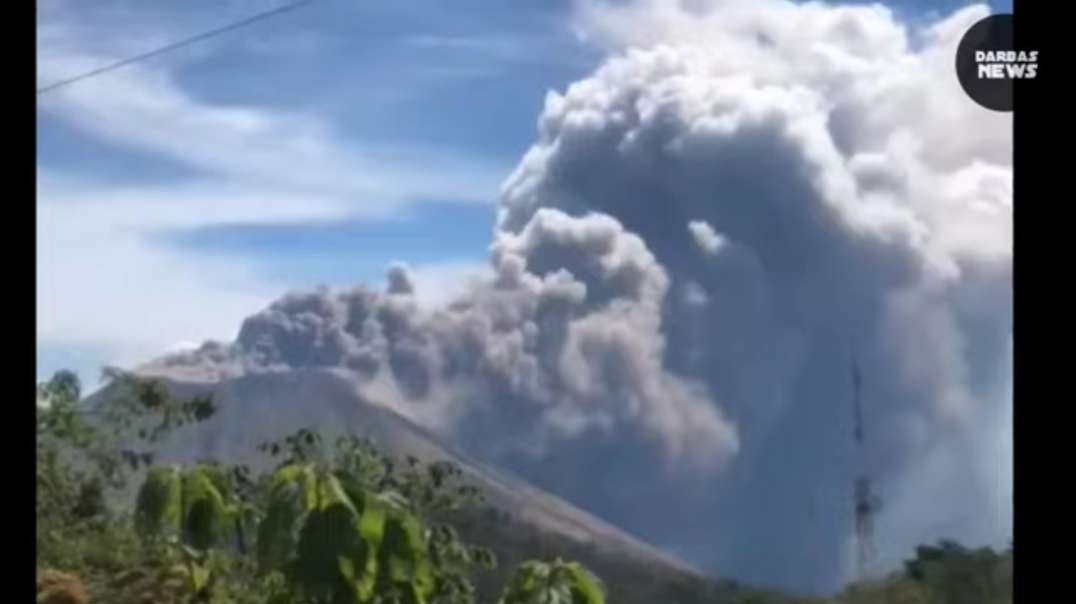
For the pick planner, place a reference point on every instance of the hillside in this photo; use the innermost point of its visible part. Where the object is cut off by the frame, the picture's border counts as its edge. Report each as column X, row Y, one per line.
column 518, row 521
column 83, row 538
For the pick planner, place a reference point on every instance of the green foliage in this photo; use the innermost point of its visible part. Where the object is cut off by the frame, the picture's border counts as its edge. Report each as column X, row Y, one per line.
column 83, row 455
column 331, row 524
column 59, row 426
column 207, row 515
column 83, row 452
column 946, row 573
column 336, row 539
column 185, row 505
column 144, row 406
column 384, row 541
column 310, row 532
column 187, row 511
column 953, row 574
column 891, row 591
column 301, row 447
column 74, row 467
column 340, row 524
column 558, row 582
column 159, row 509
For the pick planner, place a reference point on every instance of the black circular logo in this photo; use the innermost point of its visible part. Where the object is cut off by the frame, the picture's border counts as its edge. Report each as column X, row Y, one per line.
column 988, row 64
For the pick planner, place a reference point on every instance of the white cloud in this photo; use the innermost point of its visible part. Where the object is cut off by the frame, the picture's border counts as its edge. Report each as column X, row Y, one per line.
column 104, row 280
column 708, row 240
column 143, row 109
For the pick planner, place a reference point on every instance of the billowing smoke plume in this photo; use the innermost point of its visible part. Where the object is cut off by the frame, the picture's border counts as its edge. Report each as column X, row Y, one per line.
column 744, row 198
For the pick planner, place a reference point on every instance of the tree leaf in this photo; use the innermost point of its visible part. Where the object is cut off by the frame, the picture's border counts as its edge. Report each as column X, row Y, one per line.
column 290, row 499
column 159, row 506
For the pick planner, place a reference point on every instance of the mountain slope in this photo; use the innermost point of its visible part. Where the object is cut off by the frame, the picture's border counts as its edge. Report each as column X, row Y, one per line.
column 520, row 521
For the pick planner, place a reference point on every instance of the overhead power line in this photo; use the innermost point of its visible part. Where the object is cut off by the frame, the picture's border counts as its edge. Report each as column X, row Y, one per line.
column 185, row 42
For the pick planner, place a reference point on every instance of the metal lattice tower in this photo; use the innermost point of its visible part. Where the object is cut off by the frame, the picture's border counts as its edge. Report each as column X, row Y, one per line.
column 866, row 504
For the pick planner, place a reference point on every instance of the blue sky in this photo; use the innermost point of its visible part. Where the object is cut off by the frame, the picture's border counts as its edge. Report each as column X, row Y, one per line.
column 178, row 195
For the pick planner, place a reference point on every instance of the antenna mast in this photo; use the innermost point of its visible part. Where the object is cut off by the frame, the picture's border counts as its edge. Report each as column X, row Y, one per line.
column 866, row 504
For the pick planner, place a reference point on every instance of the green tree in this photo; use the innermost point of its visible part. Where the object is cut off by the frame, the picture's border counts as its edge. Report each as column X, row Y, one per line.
column 556, row 582
column 954, row 574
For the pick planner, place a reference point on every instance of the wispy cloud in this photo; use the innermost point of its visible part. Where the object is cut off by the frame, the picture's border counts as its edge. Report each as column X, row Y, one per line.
column 143, row 108
column 506, row 50
column 105, row 281
column 503, row 45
